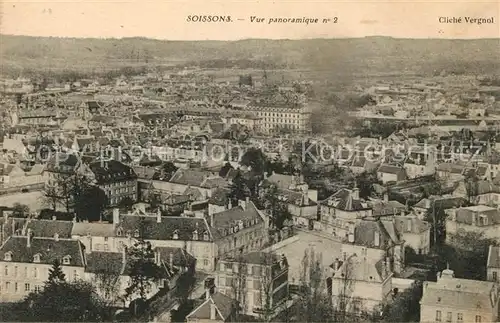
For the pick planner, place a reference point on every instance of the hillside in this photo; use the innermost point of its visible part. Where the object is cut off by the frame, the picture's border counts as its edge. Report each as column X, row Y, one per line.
column 377, row 54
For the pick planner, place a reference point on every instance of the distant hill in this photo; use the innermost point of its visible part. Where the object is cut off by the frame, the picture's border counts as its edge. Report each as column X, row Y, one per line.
column 379, row 54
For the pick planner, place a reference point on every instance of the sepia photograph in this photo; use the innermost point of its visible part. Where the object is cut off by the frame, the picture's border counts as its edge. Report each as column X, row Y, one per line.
column 261, row 161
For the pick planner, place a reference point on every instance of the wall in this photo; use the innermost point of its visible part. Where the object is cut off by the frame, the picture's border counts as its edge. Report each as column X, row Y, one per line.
column 420, row 242
column 29, row 273
column 428, row 314
column 490, row 231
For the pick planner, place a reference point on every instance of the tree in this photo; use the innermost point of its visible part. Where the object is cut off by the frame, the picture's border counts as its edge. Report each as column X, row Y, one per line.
column 73, row 302
column 51, row 197
column 239, row 282
column 143, row 270
column 168, row 169
column 20, row 210
column 255, row 159
column 126, row 203
column 405, row 306
column 238, row 189
column 364, row 182
column 277, row 207
column 107, row 282
column 90, row 204
column 56, row 274
column 466, row 253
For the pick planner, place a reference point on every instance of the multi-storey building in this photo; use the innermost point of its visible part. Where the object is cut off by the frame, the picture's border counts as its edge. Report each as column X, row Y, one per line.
column 26, row 261
column 479, row 219
column 452, row 299
column 254, row 279
column 116, row 179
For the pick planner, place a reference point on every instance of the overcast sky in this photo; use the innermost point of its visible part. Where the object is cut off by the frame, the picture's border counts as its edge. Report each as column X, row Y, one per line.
column 167, row 19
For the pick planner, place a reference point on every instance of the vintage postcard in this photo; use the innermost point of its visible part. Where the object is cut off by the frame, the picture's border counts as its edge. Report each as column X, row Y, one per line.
column 249, row 161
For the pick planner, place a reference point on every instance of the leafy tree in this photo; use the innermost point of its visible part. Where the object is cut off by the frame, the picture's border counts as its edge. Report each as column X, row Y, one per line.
column 405, row 306
column 126, row 203
column 364, row 182
column 255, row 159
column 276, row 206
column 91, row 203
column 168, row 169
column 466, row 253
column 56, row 274
column 20, row 210
column 73, row 302
column 238, row 189
column 143, row 270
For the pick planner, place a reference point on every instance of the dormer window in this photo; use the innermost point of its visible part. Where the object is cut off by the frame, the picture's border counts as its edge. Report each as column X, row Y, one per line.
column 119, row 232
column 66, row 260
column 136, row 234
column 195, row 235
column 176, row 235
column 36, row 258
column 8, row 256
column 206, row 237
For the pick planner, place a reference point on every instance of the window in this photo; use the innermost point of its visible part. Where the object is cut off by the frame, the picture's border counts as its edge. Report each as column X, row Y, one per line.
column 222, row 281
column 495, row 276
column 206, row 263
column 478, row 318
column 35, row 272
column 16, row 287
column 66, row 260
column 136, row 233
column 8, row 256
column 27, row 287
column 221, row 268
column 6, row 271
column 15, row 271
column 7, row 287
column 448, row 317
column 438, row 316
column 37, row 288
column 75, row 275
column 25, row 271
column 36, row 258
column 460, row 317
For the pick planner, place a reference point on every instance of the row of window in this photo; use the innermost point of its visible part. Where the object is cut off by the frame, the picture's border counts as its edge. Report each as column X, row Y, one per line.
column 120, row 190
column 118, row 184
column 16, row 287
column 66, row 260
column 449, row 317
column 281, row 115
column 230, row 282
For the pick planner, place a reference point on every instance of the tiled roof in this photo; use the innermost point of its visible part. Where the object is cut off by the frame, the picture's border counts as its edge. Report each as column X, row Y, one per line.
column 49, row 250
column 230, row 218
column 442, row 203
column 108, row 262
column 111, row 171
column 384, row 208
column 181, row 258
column 219, row 197
column 467, row 215
column 390, row 169
column 344, row 199
column 190, row 177
column 95, row 229
column 464, row 294
column 184, row 226
column 362, row 269
column 48, row 228
column 406, row 224
column 225, row 306
column 365, row 231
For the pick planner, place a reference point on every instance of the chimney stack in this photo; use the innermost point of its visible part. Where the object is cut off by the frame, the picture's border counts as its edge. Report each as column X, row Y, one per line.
column 116, row 217
column 408, row 225
column 355, row 193
column 13, row 227
column 54, row 218
column 386, row 197
column 28, row 239
column 158, row 216
column 377, row 239
column 212, row 311
column 171, row 260
column 388, row 264
column 230, row 205
column 124, row 258
column 157, row 257
column 56, row 237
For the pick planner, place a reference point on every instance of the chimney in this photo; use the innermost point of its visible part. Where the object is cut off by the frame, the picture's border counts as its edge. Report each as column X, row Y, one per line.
column 212, row 311
column 402, row 212
column 54, row 218
column 230, row 205
column 207, row 292
column 13, row 227
column 171, row 260
column 377, row 239
column 388, row 264
column 427, row 203
column 336, row 264
column 124, row 259
column 116, row 216
column 408, row 225
column 89, row 244
column 158, row 216
column 351, row 237
column 386, row 197
column 56, row 237
column 474, row 218
column 211, row 220
column 265, row 175
column 157, row 257
column 355, row 193
column 28, row 239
